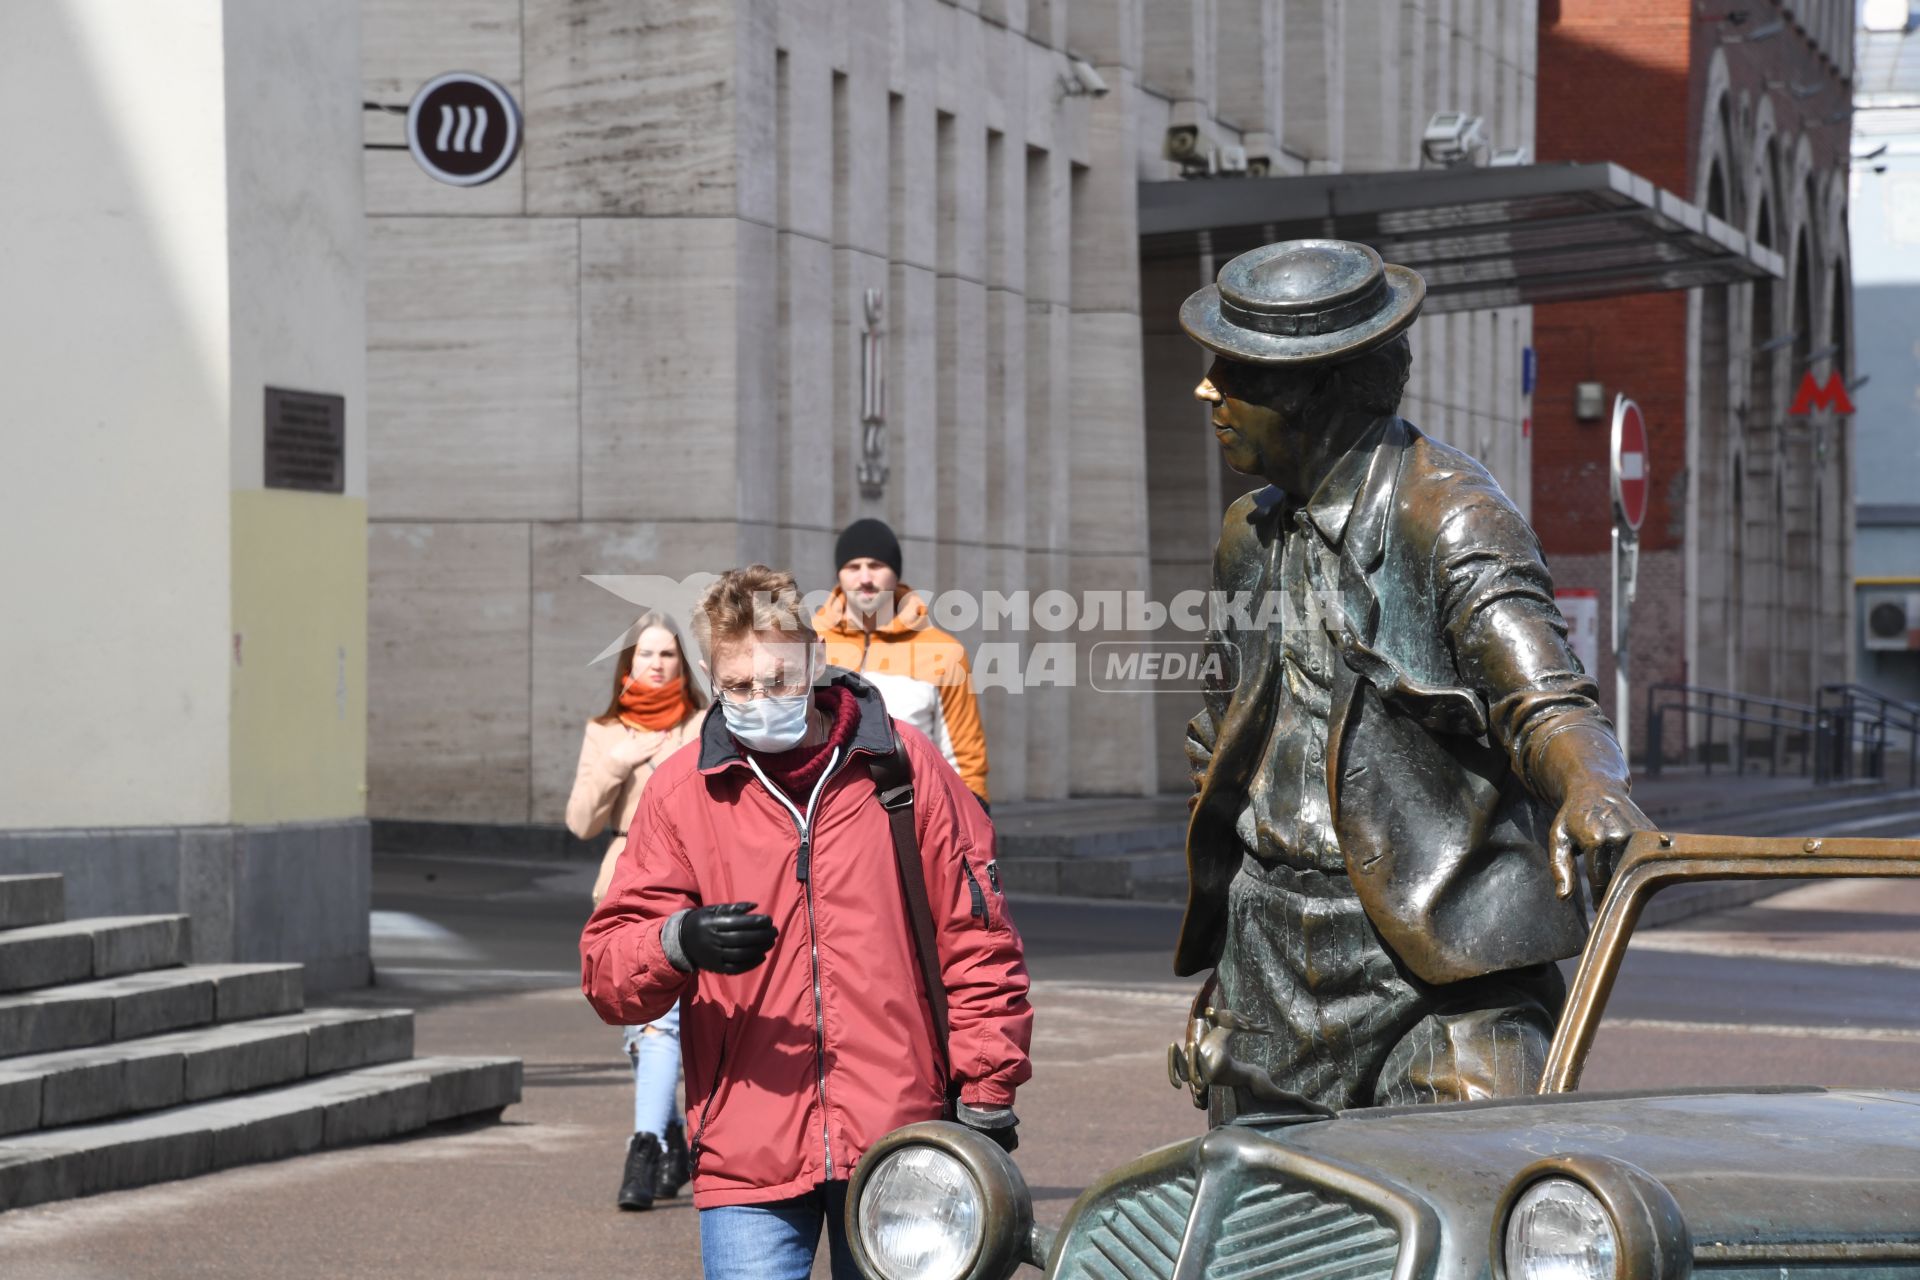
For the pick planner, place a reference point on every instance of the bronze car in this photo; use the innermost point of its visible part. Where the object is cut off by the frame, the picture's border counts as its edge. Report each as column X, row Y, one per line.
column 1746, row 1184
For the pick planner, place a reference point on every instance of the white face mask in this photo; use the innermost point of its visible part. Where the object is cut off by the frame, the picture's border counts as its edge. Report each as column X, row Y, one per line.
column 769, row 724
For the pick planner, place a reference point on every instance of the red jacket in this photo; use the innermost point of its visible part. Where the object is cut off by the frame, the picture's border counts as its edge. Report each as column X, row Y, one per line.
column 786, row 1089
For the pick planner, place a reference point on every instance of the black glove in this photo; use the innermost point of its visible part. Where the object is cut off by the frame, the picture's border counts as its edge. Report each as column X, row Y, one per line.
column 725, row 939
column 997, row 1123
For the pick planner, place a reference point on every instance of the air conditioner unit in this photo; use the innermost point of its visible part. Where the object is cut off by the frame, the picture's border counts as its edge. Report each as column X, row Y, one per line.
column 1892, row 620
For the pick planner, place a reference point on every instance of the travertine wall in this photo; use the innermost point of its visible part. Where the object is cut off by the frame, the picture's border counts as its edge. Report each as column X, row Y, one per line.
column 638, row 351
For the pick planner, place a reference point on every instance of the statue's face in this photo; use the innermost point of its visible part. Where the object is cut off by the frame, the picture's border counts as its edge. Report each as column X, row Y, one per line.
column 1259, row 426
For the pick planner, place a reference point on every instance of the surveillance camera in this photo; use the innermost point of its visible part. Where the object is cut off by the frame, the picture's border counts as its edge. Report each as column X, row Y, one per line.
column 1088, row 79
column 1080, row 81
column 1453, row 139
column 1182, row 144
column 1233, row 161
column 1507, row 157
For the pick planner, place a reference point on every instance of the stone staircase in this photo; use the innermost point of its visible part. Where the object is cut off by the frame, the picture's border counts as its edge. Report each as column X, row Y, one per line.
column 121, row 1064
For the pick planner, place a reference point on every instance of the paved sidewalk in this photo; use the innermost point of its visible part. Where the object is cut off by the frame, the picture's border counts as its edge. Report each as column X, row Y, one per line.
column 533, row 1196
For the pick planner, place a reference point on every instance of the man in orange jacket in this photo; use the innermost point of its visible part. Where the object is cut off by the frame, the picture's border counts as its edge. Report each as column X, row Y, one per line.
column 874, row 624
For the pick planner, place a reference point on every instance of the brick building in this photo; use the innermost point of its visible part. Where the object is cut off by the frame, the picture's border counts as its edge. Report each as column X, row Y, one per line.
column 1744, row 109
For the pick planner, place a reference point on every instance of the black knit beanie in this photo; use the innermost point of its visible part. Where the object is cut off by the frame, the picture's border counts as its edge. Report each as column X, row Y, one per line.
column 867, row 539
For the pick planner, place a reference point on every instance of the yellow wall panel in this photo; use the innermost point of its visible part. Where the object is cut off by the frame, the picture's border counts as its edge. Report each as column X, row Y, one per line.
column 299, row 746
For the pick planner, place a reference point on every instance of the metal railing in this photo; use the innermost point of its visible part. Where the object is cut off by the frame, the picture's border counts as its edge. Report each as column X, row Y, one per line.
column 1842, row 737
column 1863, row 717
column 1787, row 725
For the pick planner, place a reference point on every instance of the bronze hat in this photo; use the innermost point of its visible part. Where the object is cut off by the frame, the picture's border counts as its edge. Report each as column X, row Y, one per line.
column 1303, row 302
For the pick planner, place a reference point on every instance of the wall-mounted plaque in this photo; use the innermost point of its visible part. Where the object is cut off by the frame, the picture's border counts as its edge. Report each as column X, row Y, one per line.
column 306, row 441
column 463, row 129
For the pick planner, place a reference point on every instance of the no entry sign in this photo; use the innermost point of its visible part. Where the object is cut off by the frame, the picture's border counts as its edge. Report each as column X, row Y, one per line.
column 1630, row 479
column 463, row 129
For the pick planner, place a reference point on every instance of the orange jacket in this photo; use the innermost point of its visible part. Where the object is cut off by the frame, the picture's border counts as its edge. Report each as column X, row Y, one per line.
column 922, row 673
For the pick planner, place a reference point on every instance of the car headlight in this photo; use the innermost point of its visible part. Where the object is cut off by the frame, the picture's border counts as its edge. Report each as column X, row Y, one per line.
column 1583, row 1216
column 921, row 1216
column 1559, row 1230
column 937, row 1201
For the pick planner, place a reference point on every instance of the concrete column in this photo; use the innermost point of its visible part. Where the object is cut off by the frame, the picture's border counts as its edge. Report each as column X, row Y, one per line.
column 1511, row 69
column 862, row 158
column 1248, row 67
column 803, row 431
column 961, row 183
column 912, row 392
column 1373, row 84
column 1050, row 415
column 1314, row 83
column 1177, row 56
column 1414, row 73
column 1440, row 60
column 1047, row 22
column 961, row 304
column 1106, row 32
column 1108, row 528
column 1468, row 86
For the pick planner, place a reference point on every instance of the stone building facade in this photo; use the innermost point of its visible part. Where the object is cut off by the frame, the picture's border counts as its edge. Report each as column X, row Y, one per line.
column 1746, row 549
column 185, row 631
column 639, row 352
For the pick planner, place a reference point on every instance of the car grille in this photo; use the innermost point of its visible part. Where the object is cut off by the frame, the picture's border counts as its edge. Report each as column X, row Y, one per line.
column 1135, row 1235
column 1272, row 1232
column 1277, row 1234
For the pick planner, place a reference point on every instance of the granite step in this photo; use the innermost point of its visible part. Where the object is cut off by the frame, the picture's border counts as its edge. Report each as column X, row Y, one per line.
column 347, row 1109
column 76, row 1086
column 145, row 1004
column 31, row 900
column 47, row 955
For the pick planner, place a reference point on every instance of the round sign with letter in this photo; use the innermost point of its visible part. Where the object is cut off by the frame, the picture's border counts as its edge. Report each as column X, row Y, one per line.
column 463, row 129
column 1630, row 480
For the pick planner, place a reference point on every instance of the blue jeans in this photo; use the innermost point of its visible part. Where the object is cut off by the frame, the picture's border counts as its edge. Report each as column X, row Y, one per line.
column 777, row 1241
column 655, row 1050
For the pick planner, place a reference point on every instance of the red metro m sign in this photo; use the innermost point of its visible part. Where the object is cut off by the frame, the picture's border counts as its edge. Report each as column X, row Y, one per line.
column 1813, row 396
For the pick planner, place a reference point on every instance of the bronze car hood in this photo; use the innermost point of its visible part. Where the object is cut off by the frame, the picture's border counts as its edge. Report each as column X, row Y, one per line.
column 1747, row 1167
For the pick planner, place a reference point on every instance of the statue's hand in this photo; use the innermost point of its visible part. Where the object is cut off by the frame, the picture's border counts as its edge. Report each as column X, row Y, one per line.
column 1594, row 823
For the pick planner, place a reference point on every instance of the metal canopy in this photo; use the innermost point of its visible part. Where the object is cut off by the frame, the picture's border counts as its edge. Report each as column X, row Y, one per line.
column 1886, row 69
column 1481, row 237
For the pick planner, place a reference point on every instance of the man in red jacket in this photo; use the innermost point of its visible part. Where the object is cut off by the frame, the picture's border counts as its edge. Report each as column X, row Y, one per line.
column 760, row 888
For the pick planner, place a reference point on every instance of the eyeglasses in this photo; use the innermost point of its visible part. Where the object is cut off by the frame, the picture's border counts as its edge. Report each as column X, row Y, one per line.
column 741, row 694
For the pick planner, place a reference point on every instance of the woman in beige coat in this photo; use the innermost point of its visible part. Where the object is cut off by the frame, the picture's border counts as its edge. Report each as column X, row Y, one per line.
column 655, row 710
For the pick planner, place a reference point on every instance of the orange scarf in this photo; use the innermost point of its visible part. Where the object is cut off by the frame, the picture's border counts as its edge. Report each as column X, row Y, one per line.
column 646, row 707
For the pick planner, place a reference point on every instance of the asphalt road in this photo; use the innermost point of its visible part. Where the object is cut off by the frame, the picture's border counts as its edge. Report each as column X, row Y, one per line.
column 1821, row 985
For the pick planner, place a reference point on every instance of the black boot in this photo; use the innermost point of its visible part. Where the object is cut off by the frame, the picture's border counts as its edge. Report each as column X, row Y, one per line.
column 642, row 1171
column 674, row 1170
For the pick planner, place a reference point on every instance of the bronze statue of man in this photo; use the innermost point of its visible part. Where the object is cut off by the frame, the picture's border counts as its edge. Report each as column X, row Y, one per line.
column 1391, row 797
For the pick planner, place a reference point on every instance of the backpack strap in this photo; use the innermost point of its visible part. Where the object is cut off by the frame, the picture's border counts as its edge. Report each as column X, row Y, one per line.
column 893, row 782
